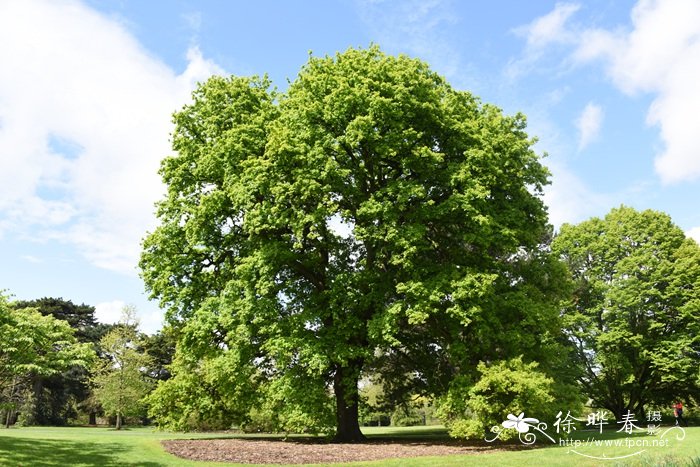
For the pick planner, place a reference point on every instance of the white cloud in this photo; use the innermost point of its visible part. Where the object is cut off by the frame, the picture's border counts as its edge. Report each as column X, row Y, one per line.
column 570, row 200
column 71, row 75
column 694, row 233
column 549, row 28
column 109, row 312
column 662, row 37
column 660, row 55
column 544, row 31
column 589, row 124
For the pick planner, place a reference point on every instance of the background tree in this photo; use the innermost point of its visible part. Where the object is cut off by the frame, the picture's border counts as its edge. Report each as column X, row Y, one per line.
column 55, row 398
column 120, row 380
column 160, row 348
column 372, row 411
column 31, row 346
column 80, row 317
column 372, row 219
column 634, row 320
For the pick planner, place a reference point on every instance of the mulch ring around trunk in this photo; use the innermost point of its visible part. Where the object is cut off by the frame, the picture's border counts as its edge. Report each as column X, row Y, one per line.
column 309, row 451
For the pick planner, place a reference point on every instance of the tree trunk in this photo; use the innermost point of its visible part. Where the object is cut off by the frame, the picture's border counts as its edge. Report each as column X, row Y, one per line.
column 37, row 417
column 347, row 403
column 10, row 406
column 92, row 418
column 118, row 424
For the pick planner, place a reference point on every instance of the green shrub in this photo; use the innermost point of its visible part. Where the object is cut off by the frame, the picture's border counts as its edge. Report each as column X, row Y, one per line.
column 470, row 410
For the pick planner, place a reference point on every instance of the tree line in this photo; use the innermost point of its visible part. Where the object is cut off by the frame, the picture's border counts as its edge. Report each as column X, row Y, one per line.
column 58, row 365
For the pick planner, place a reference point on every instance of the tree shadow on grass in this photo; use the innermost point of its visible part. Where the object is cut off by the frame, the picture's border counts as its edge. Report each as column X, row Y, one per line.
column 49, row 453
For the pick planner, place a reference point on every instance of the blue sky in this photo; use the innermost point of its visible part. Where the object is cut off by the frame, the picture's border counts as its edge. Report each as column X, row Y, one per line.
column 87, row 89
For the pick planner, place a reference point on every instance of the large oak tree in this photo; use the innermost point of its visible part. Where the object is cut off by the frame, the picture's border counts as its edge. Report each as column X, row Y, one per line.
column 369, row 219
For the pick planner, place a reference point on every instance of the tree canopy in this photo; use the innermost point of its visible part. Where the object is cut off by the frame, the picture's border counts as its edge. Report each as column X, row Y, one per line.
column 634, row 319
column 369, row 219
column 80, row 317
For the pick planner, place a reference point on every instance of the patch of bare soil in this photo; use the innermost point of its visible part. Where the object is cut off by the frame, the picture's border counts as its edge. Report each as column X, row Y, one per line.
column 248, row 451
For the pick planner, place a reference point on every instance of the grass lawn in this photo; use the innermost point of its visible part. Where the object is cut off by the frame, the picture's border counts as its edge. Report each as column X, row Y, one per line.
column 78, row 446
